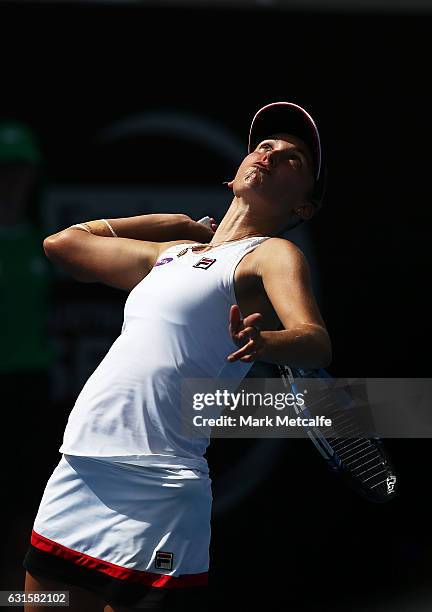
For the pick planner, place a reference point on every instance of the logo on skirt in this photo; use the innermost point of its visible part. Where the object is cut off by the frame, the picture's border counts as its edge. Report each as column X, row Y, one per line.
column 164, row 560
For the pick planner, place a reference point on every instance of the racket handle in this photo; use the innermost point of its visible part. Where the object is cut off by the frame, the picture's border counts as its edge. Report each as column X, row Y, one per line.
column 205, row 221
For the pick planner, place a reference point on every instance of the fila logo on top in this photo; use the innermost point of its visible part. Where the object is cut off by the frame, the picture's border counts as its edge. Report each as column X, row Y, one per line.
column 204, row 263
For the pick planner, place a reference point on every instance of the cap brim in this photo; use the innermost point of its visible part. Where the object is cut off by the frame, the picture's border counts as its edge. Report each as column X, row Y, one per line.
column 292, row 119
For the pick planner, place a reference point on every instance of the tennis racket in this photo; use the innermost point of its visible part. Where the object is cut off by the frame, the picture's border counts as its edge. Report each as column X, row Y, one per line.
column 357, row 457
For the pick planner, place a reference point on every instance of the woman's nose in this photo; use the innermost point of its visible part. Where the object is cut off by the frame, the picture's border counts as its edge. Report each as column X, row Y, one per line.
column 269, row 158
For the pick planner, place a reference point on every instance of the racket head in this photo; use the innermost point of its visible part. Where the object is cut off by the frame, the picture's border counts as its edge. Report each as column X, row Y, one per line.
column 361, row 461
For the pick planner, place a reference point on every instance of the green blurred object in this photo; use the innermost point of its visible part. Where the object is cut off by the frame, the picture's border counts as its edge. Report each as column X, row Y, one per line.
column 25, row 284
column 18, row 143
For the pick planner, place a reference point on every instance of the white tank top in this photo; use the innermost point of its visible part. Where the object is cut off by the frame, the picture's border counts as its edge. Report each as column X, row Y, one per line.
column 175, row 327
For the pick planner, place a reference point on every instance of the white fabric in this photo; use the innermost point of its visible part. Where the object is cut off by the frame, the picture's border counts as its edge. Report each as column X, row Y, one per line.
column 175, row 327
column 124, row 514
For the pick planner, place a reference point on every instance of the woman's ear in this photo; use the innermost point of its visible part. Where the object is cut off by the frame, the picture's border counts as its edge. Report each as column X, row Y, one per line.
column 305, row 211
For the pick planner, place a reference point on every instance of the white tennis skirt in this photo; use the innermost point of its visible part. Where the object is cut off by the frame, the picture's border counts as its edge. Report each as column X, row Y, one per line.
column 146, row 525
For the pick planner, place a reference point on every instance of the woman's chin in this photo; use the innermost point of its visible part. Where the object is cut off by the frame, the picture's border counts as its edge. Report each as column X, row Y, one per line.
column 253, row 178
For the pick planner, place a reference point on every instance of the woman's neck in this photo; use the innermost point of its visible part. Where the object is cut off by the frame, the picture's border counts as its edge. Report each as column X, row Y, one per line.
column 240, row 221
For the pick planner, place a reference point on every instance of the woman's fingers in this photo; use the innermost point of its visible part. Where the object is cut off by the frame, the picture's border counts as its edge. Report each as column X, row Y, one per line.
column 248, row 352
column 249, row 333
column 244, row 351
column 253, row 319
column 234, row 320
column 246, row 332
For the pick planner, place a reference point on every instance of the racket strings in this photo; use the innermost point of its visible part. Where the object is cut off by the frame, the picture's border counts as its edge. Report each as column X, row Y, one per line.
column 372, row 476
column 359, row 457
column 355, row 453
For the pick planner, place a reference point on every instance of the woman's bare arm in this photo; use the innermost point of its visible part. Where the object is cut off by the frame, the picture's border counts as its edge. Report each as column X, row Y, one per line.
column 124, row 261
column 154, row 228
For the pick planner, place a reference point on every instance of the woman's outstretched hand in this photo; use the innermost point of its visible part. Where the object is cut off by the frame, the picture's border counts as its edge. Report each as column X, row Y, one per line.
column 246, row 334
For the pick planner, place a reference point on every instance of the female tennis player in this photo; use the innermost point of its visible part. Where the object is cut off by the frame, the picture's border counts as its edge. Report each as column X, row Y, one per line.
column 124, row 521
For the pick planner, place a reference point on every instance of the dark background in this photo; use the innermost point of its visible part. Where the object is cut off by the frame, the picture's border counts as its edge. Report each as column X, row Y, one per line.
column 299, row 538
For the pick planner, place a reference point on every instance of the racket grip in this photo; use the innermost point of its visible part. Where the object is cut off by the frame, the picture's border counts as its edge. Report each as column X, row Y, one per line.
column 205, row 221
